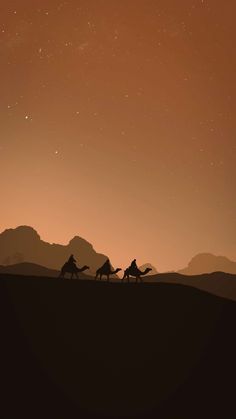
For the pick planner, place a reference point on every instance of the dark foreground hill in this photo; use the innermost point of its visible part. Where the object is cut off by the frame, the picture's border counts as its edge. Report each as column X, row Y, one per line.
column 81, row 349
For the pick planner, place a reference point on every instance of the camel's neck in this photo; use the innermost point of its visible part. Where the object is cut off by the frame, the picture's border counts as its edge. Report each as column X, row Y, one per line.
column 142, row 272
column 115, row 272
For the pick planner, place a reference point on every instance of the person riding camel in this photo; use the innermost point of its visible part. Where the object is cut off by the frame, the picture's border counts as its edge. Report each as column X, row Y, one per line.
column 107, row 264
column 133, row 265
column 71, row 261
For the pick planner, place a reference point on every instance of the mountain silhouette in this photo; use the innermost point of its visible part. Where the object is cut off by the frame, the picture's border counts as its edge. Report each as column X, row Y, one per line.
column 207, row 263
column 23, row 244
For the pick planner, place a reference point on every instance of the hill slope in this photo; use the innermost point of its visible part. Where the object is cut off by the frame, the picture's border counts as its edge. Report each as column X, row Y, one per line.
column 217, row 283
column 32, row 269
column 89, row 349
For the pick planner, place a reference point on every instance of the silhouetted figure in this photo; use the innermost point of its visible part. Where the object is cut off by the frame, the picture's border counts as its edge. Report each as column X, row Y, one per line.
column 72, row 269
column 106, row 265
column 106, row 269
column 133, row 270
column 71, row 260
column 133, row 264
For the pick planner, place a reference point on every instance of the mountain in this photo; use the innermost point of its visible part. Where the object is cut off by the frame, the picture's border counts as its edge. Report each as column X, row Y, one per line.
column 148, row 265
column 23, row 244
column 207, row 263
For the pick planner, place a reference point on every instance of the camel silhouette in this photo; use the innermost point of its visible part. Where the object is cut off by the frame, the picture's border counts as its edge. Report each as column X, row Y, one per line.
column 106, row 270
column 135, row 272
column 72, row 269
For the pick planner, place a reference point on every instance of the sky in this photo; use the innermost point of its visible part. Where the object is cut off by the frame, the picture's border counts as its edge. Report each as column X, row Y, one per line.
column 118, row 125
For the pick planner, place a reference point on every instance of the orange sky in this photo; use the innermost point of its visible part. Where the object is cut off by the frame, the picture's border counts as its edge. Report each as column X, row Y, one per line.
column 117, row 124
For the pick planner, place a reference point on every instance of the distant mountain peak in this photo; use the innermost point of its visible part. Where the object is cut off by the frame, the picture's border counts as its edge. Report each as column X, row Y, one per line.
column 207, row 256
column 22, row 230
column 207, row 263
column 77, row 241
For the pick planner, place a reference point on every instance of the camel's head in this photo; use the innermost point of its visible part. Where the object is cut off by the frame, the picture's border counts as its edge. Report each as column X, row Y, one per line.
column 118, row 269
column 86, row 267
column 147, row 270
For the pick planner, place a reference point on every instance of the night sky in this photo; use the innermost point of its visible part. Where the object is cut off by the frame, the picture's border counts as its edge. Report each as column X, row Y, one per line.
column 118, row 124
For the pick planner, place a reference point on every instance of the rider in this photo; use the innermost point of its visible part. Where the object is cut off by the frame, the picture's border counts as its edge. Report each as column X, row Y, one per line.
column 107, row 264
column 133, row 264
column 71, row 260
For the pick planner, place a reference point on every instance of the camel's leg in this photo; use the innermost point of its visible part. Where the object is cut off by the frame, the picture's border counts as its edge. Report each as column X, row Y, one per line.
column 96, row 277
column 108, row 278
column 100, row 277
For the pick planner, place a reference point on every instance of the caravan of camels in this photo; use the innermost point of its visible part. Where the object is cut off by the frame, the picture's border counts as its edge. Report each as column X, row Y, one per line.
column 105, row 270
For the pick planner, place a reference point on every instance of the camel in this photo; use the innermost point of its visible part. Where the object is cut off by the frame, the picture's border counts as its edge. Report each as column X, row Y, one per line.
column 106, row 270
column 136, row 273
column 72, row 269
